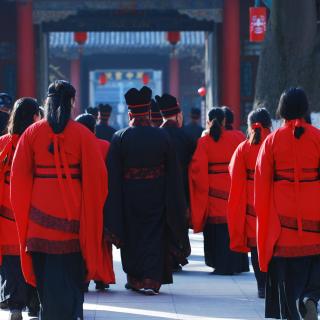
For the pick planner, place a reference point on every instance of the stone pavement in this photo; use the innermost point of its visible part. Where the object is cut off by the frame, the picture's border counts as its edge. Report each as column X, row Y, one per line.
column 196, row 294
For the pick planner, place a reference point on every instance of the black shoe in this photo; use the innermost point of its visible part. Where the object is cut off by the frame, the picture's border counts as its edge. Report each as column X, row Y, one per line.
column 129, row 287
column 100, row 286
column 261, row 293
column 311, row 310
column 4, row 305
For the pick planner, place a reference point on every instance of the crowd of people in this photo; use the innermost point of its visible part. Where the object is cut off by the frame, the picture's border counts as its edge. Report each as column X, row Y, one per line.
column 70, row 189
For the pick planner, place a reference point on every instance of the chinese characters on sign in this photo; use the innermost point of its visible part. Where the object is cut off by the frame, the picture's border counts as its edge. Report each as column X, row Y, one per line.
column 258, row 23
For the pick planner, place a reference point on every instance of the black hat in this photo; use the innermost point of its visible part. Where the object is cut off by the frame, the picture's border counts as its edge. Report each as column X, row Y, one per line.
column 139, row 101
column 195, row 113
column 5, row 101
column 168, row 105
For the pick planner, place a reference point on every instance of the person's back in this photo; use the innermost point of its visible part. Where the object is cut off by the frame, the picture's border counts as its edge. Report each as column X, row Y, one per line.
column 286, row 199
column 57, row 196
column 144, row 210
column 193, row 129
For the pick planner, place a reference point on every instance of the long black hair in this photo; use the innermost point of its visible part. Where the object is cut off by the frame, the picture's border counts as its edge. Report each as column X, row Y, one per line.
column 258, row 119
column 294, row 104
column 216, row 116
column 229, row 117
column 59, row 104
column 22, row 115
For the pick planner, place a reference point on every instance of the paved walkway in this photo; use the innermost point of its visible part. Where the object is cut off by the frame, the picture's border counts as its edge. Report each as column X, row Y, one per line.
column 195, row 295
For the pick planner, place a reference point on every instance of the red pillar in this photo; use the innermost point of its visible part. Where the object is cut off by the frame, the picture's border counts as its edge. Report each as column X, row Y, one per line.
column 231, row 58
column 75, row 74
column 174, row 75
column 26, row 71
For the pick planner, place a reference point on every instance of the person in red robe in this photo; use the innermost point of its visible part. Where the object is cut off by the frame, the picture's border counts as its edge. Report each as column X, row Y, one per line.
column 14, row 290
column 57, row 195
column 241, row 213
column 286, row 199
column 209, row 182
column 89, row 122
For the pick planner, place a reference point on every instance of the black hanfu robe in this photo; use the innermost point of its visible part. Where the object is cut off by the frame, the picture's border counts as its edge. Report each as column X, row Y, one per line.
column 104, row 131
column 184, row 147
column 145, row 213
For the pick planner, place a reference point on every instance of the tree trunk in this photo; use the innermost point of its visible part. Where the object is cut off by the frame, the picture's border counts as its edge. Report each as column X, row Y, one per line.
column 290, row 54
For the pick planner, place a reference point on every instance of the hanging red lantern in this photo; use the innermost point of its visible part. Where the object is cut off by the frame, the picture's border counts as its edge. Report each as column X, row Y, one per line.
column 202, row 91
column 80, row 37
column 145, row 79
column 103, row 79
column 173, row 37
column 258, row 23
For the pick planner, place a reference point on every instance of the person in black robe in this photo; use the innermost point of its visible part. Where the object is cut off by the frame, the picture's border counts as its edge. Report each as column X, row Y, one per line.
column 145, row 214
column 184, row 146
column 5, row 108
column 194, row 129
column 103, row 130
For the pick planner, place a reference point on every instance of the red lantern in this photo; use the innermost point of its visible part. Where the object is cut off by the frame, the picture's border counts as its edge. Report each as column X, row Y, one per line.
column 80, row 37
column 173, row 37
column 202, row 91
column 258, row 23
column 103, row 79
column 145, row 79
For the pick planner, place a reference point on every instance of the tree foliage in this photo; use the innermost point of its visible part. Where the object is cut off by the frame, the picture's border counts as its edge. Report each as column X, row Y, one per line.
column 291, row 53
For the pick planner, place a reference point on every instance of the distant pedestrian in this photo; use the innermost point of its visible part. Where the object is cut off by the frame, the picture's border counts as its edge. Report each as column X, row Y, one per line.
column 194, row 129
column 103, row 129
column 209, row 181
column 89, row 122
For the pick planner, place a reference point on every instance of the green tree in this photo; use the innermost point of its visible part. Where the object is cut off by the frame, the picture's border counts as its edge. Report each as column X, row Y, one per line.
column 291, row 53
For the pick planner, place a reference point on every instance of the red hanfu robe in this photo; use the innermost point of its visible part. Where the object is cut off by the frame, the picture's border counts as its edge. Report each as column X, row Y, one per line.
column 9, row 241
column 287, row 193
column 209, row 179
column 58, row 197
column 241, row 213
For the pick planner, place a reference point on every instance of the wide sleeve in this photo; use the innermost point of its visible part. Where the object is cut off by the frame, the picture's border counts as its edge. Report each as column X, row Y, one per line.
column 237, row 201
column 199, row 186
column 21, row 184
column 113, row 208
column 176, row 208
column 94, row 194
column 268, row 225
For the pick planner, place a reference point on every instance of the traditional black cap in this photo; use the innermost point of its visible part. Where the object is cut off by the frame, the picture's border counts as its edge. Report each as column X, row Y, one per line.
column 139, row 101
column 156, row 116
column 195, row 113
column 5, row 101
column 168, row 105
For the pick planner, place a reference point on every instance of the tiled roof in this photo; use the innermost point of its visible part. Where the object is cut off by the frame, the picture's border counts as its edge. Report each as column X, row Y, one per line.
column 111, row 42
